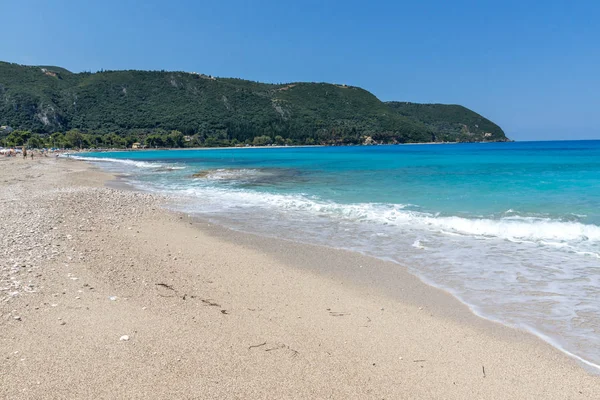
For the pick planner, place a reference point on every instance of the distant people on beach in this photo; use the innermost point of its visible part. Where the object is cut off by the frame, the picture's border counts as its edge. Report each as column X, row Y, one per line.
column 29, row 153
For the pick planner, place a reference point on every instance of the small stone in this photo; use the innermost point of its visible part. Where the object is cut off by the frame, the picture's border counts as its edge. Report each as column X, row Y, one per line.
column 112, row 298
column 16, row 317
column 124, row 338
column 63, row 323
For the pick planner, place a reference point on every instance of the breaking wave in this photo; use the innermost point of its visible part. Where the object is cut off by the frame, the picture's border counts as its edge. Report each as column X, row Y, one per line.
column 139, row 164
column 542, row 231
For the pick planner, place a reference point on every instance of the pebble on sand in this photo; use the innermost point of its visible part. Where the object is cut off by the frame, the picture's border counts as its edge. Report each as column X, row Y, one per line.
column 124, row 338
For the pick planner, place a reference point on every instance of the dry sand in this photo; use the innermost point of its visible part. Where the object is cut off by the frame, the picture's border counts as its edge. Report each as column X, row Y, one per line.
column 211, row 313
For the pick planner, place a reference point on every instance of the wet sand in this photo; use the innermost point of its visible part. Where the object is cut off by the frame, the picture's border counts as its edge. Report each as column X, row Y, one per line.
column 104, row 294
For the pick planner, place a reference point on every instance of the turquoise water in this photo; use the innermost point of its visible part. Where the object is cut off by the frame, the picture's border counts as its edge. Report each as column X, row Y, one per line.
column 511, row 229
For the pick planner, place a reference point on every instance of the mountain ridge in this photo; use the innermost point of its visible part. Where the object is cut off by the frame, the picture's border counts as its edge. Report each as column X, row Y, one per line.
column 223, row 111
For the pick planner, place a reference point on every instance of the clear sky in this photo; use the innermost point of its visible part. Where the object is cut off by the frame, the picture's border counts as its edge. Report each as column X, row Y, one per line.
column 533, row 67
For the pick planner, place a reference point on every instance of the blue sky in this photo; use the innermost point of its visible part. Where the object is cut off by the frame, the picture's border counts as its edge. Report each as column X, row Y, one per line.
column 533, row 67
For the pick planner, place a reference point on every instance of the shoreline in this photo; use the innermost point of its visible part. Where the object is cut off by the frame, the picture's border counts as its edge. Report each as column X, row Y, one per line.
column 387, row 286
column 446, row 303
column 390, row 276
column 336, row 329
column 72, row 152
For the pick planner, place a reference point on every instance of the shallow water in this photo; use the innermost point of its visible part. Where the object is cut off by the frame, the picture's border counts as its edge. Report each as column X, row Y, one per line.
column 511, row 229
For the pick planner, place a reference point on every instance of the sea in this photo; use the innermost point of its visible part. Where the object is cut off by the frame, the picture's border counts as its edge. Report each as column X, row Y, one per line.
column 510, row 229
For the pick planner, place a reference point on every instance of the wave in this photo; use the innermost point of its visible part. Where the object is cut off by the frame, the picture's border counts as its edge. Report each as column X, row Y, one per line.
column 139, row 164
column 418, row 245
column 543, row 231
column 521, row 228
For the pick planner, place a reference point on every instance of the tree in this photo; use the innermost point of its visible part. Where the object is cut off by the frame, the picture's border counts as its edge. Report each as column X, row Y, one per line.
column 57, row 140
column 35, row 142
column 97, row 141
column 73, row 138
column 176, row 139
column 263, row 140
column 154, row 141
column 17, row 138
column 114, row 140
column 169, row 141
column 130, row 140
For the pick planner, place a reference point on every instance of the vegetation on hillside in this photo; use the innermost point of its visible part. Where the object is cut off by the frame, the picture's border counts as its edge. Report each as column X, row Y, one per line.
column 179, row 109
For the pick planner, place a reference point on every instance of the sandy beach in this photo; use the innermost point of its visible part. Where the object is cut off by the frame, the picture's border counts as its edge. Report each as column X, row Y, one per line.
column 105, row 295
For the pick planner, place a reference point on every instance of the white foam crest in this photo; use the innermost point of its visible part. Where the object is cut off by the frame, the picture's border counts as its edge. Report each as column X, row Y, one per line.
column 246, row 198
column 543, row 231
column 139, row 164
column 418, row 245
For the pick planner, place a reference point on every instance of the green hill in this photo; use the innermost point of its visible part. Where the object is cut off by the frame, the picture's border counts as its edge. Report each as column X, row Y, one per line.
column 147, row 105
column 448, row 119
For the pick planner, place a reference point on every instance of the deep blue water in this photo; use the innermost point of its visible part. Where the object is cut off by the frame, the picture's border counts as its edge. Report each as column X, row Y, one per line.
column 512, row 229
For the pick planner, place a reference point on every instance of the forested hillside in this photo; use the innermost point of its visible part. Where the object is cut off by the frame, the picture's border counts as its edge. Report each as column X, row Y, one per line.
column 175, row 109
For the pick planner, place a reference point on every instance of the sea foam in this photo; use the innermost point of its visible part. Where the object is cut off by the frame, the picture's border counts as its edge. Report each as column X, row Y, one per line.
column 568, row 235
column 134, row 163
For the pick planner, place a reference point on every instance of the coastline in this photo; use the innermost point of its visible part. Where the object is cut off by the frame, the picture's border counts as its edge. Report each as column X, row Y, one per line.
column 108, row 150
column 198, row 304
